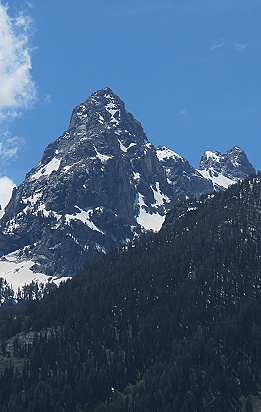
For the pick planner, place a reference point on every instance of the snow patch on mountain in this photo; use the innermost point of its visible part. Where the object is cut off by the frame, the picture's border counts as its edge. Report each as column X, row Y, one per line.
column 216, row 156
column 218, row 180
column 149, row 221
column 18, row 272
column 124, row 148
column 85, row 217
column 103, row 158
column 67, row 168
column 112, row 109
column 146, row 219
column 33, row 199
column 34, row 205
column 11, row 226
column 47, row 169
column 164, row 153
column 136, row 176
column 160, row 198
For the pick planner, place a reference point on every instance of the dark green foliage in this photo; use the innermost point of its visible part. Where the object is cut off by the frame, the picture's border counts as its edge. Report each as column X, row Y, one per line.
column 169, row 323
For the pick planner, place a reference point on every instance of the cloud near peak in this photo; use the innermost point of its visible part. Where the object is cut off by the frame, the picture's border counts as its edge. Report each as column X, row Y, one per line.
column 18, row 90
column 6, row 188
column 9, row 146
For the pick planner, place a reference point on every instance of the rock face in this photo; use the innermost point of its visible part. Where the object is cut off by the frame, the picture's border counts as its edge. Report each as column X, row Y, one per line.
column 225, row 169
column 183, row 178
column 100, row 183
column 97, row 185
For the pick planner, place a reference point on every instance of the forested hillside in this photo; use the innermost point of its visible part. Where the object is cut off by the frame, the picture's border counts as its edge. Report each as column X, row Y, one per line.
column 171, row 322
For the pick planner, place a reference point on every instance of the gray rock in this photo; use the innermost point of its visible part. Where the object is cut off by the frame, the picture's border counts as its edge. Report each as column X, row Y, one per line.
column 225, row 169
column 99, row 184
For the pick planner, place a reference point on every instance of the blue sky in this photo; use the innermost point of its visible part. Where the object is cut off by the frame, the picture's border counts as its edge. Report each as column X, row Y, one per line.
column 189, row 70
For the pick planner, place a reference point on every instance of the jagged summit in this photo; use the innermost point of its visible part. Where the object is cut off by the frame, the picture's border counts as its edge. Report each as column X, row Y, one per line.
column 225, row 169
column 184, row 179
column 104, row 111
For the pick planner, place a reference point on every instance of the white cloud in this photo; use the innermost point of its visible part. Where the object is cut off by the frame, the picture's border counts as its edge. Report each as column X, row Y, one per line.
column 30, row 5
column 218, row 45
column 18, row 90
column 48, row 99
column 9, row 146
column 236, row 46
column 240, row 46
column 6, row 187
column 182, row 112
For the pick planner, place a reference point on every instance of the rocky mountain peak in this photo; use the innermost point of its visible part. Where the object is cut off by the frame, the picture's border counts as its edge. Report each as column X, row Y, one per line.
column 238, row 165
column 184, row 179
column 225, row 169
column 104, row 113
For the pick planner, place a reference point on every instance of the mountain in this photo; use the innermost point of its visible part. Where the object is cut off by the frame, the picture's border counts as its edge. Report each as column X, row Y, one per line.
column 100, row 184
column 225, row 169
column 170, row 322
column 183, row 178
